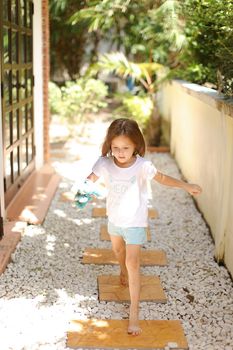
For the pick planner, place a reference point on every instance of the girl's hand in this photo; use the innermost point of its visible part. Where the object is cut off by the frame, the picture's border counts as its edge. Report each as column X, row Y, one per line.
column 192, row 189
column 85, row 191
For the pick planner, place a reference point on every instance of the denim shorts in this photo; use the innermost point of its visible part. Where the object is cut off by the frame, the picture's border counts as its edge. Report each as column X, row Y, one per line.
column 131, row 235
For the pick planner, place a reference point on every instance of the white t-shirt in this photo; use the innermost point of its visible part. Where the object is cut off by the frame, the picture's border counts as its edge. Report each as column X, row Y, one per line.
column 127, row 190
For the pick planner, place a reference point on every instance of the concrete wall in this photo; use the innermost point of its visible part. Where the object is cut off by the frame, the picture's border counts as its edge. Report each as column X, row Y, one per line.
column 201, row 140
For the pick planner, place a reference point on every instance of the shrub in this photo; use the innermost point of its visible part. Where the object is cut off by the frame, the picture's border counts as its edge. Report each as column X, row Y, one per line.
column 77, row 98
column 137, row 107
column 208, row 54
column 55, row 97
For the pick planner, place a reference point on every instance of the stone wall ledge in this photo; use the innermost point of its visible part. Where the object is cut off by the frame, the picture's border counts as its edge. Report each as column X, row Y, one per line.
column 207, row 95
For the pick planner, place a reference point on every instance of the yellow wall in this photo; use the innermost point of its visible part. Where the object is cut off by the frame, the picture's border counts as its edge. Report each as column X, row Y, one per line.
column 202, row 143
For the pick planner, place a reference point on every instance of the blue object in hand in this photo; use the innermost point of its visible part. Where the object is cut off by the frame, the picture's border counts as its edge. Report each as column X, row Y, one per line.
column 85, row 193
column 81, row 200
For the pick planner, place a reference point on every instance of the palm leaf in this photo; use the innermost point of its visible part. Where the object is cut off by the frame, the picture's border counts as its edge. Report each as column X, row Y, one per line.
column 83, row 17
column 120, row 65
column 101, row 14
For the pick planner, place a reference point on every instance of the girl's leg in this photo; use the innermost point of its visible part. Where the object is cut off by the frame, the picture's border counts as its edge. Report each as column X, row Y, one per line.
column 118, row 247
column 133, row 268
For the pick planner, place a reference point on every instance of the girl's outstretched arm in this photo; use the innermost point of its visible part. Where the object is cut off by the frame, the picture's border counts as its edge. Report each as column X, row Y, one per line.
column 166, row 180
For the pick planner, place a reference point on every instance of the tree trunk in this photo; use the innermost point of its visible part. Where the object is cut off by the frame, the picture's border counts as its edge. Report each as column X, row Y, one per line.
column 153, row 128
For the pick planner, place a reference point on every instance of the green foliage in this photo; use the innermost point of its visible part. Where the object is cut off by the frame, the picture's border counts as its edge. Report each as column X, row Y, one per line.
column 55, row 97
column 194, row 38
column 164, row 31
column 106, row 17
column 145, row 29
column 197, row 73
column 208, row 54
column 67, row 43
column 99, row 14
column 141, row 106
column 76, row 99
column 136, row 107
column 117, row 63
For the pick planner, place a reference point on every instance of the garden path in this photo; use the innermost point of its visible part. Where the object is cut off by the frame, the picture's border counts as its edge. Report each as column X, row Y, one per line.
column 46, row 285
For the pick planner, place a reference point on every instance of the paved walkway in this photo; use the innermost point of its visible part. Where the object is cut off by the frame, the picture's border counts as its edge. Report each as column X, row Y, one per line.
column 46, row 285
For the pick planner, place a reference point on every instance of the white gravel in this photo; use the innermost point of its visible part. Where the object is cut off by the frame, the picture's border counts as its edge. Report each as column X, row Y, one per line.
column 45, row 286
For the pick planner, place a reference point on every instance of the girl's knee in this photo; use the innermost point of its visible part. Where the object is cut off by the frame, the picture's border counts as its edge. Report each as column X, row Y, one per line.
column 118, row 250
column 132, row 262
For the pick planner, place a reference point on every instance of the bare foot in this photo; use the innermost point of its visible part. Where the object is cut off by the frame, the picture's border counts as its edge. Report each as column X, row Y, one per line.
column 124, row 279
column 134, row 330
column 133, row 327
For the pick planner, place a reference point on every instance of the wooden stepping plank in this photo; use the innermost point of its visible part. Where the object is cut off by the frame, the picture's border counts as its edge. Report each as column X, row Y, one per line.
column 101, row 212
column 66, row 197
column 112, row 334
column 8, row 244
column 153, row 214
column 107, row 257
column 33, row 199
column 110, row 289
column 104, row 235
column 98, row 212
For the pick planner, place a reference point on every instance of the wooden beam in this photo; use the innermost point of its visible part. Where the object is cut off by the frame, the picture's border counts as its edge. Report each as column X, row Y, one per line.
column 112, row 334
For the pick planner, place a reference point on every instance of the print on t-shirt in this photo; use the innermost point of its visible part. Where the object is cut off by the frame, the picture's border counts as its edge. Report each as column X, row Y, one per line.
column 124, row 195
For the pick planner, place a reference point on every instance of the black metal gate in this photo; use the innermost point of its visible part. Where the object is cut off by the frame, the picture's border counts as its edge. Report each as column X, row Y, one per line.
column 17, row 83
column 1, row 227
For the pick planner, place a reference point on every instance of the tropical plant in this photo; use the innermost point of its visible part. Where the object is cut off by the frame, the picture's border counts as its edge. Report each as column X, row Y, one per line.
column 192, row 37
column 143, row 106
column 117, row 63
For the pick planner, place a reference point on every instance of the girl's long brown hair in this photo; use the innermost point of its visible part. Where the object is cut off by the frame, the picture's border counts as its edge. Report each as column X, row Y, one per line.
column 126, row 127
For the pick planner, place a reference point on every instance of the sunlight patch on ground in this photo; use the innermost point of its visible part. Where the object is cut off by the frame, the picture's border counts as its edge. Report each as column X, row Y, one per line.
column 33, row 231
column 80, row 222
column 87, row 221
column 26, row 326
column 60, row 213
column 63, row 185
column 51, row 239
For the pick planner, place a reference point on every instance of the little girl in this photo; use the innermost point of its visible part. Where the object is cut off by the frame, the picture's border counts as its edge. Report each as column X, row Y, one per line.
column 125, row 173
